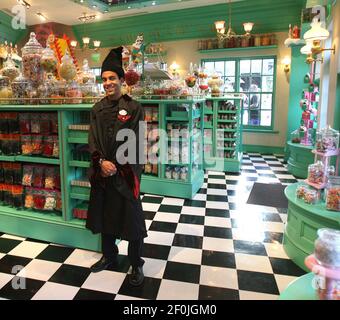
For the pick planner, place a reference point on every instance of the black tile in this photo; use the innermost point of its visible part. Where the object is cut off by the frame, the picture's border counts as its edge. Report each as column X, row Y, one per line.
column 281, row 172
column 30, row 288
column 231, row 193
column 163, row 226
column 272, row 217
column 182, row 272
column 257, row 282
column 70, row 275
column 218, row 259
column 186, row 218
column 194, row 203
column 55, row 253
column 170, row 208
column 251, row 178
column 282, row 210
column 221, row 213
column 85, row 294
column 149, row 199
column 258, row 161
column 37, row 241
column 249, row 247
column 286, row 267
column 232, row 206
column 273, row 237
column 122, row 264
column 148, row 289
column 1, row 234
column 216, row 176
column 205, row 180
column 248, row 171
column 148, row 215
column 216, row 232
column 288, row 180
column 264, row 175
column 187, row 241
column 231, row 182
column 235, row 174
column 217, row 186
column 212, row 197
column 156, row 251
column 8, row 262
column 277, row 165
column 202, row 191
column 214, row 293
column 263, row 168
column 7, row 245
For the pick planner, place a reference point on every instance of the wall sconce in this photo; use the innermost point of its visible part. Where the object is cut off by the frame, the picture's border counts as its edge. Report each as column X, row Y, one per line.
column 174, row 68
column 96, row 44
column 73, row 43
column 248, row 27
column 286, row 62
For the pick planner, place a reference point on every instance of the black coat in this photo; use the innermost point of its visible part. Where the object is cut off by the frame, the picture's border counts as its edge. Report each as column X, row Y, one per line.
column 115, row 207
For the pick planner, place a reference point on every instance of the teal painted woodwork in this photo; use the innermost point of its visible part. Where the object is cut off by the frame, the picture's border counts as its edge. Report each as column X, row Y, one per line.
column 300, row 157
column 7, row 32
column 300, row 289
column 213, row 51
column 263, row 149
column 194, row 23
column 303, row 222
column 336, row 124
column 213, row 161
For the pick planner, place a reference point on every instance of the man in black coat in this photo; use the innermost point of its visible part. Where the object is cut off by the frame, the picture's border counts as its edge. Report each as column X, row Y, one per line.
column 115, row 208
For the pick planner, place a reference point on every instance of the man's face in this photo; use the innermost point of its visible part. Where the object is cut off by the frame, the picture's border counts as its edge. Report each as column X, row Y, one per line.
column 111, row 82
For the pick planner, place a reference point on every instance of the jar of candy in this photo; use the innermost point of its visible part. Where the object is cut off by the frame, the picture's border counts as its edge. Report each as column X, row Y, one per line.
column 73, row 91
column 312, row 196
column 5, row 90
column 215, row 83
column 87, row 76
column 327, row 139
column 333, row 193
column 295, row 137
column 58, row 92
column 68, row 70
column 31, row 56
column 316, row 173
column 301, row 191
column 327, row 247
column 20, row 85
column 89, row 92
column 10, row 70
column 49, row 62
column 168, row 172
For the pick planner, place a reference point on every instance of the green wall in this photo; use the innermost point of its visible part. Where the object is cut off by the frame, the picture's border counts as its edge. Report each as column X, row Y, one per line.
column 194, row 23
column 6, row 30
column 336, row 124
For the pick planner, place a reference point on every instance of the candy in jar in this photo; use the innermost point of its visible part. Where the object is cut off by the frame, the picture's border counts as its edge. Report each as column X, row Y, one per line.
column 311, row 196
column 333, row 194
column 10, row 70
column 316, row 173
column 73, row 91
column 327, row 140
column 68, row 70
column 49, row 62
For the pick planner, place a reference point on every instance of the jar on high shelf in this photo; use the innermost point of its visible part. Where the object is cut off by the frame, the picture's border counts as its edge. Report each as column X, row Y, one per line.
column 73, row 93
column 333, row 194
column 31, row 58
column 68, row 70
column 215, row 83
column 5, row 90
column 327, row 139
column 257, row 40
column 86, row 75
column 20, row 86
column 49, row 61
column 10, row 70
column 265, row 40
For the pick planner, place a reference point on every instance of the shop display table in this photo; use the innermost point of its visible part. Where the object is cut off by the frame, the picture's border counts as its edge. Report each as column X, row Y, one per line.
column 300, row 289
column 303, row 222
column 300, row 157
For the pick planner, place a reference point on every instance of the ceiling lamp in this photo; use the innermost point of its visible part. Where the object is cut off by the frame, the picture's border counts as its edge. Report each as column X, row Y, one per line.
column 220, row 28
column 306, row 49
column 24, row 3
column 87, row 17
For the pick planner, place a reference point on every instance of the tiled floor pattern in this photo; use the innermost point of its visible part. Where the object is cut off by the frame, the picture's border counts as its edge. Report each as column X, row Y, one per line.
column 214, row 246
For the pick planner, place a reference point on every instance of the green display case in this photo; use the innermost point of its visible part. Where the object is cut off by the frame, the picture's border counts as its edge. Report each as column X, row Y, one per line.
column 223, row 133
column 300, row 157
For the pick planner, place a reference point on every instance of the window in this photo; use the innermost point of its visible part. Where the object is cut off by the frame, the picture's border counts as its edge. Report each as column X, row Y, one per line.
column 255, row 78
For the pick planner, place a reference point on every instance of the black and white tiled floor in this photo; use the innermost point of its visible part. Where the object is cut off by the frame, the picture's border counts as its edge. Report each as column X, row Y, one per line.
column 212, row 247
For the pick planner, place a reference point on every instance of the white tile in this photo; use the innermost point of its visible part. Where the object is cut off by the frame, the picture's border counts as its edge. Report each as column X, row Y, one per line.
column 5, row 278
column 268, row 180
column 264, row 171
column 217, row 205
column 190, row 229
column 152, row 207
column 173, row 201
column 105, row 281
column 154, row 268
column 1, row 255
column 283, row 281
column 39, row 270
column 28, row 249
column 247, row 167
column 273, row 162
column 9, row 236
column 185, row 255
column 166, row 217
column 219, row 277
column 193, row 211
column 273, row 226
column 284, row 217
column 204, row 185
column 83, row 258
column 216, row 244
column 122, row 297
column 275, row 250
column 217, row 192
column 55, row 291
column 148, row 224
column 217, row 222
column 235, row 178
column 200, row 197
column 248, row 234
column 157, row 237
column 253, row 263
column 249, row 295
column 216, row 181
column 123, row 247
column 175, row 290
column 216, row 173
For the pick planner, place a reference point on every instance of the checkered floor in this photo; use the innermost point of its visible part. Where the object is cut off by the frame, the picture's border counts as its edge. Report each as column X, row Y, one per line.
column 212, row 247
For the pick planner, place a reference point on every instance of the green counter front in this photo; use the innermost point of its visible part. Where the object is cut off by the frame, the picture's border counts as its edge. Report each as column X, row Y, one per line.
column 171, row 178
column 303, row 222
column 300, row 157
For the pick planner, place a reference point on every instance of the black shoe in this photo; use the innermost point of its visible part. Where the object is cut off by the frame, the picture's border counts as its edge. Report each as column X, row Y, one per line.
column 136, row 277
column 102, row 264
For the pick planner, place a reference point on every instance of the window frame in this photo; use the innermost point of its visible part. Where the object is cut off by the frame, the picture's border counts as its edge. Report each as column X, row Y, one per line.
column 238, row 60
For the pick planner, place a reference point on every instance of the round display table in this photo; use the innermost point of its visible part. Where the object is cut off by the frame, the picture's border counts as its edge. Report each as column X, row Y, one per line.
column 300, row 289
column 300, row 157
column 302, row 224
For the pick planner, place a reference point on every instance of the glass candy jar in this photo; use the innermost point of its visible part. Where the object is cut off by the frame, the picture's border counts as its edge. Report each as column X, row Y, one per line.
column 295, row 137
column 20, row 86
column 333, row 194
column 31, row 56
column 327, row 248
column 49, row 62
column 87, row 76
column 58, row 92
column 73, row 91
column 5, row 90
column 316, row 173
column 327, row 139
column 89, row 92
column 68, row 70
column 215, row 84
column 10, row 70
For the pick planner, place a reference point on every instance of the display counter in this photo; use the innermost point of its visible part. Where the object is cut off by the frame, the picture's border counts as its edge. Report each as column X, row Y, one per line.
column 300, row 157
column 303, row 222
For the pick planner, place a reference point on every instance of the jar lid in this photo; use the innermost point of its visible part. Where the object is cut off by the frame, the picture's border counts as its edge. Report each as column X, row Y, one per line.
column 330, row 235
column 32, row 43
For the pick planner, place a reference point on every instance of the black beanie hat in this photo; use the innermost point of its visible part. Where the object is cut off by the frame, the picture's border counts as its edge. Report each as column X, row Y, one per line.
column 113, row 62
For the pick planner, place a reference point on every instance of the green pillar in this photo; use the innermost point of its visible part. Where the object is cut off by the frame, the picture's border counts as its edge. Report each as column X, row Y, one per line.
column 336, row 123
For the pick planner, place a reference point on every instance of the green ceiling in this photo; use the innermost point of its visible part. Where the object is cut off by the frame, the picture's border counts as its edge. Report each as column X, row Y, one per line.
column 195, row 23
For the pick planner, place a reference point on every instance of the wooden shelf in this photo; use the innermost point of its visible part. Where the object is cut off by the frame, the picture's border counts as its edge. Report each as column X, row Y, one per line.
column 7, row 158
column 79, row 164
column 37, row 160
column 237, row 49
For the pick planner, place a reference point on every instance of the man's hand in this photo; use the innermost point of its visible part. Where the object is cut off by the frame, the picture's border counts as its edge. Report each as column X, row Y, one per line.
column 108, row 169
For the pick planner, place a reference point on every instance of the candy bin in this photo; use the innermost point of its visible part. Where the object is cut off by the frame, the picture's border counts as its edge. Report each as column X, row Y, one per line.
column 31, row 57
column 333, row 194
column 5, row 90
column 10, row 70
column 325, row 264
column 20, row 86
column 327, row 140
column 68, row 70
column 73, row 91
column 316, row 173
